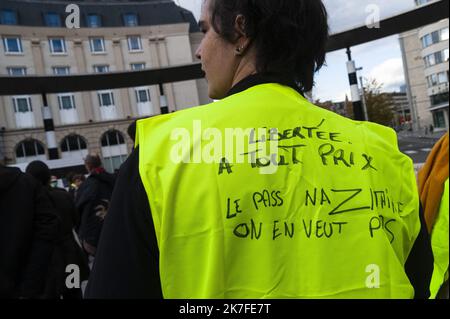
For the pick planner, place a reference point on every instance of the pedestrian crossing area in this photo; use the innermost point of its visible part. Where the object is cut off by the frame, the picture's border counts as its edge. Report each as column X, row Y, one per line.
column 410, row 152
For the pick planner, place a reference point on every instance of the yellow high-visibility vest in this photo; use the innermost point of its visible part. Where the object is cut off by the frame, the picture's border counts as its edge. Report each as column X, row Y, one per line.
column 303, row 204
column 439, row 245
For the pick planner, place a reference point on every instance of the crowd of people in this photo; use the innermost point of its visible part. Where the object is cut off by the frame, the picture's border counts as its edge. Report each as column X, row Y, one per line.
column 214, row 229
column 45, row 229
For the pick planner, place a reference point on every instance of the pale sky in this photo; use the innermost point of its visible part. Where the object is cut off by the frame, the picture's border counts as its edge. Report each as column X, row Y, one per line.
column 380, row 59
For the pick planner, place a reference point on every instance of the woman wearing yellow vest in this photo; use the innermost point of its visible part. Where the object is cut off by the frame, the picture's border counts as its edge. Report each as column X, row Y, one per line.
column 262, row 194
column 433, row 188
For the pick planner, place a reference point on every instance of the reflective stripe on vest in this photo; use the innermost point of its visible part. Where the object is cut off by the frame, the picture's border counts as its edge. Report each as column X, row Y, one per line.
column 333, row 213
column 439, row 244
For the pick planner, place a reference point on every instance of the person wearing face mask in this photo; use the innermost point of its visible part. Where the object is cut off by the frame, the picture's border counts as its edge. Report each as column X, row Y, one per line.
column 304, row 204
column 433, row 188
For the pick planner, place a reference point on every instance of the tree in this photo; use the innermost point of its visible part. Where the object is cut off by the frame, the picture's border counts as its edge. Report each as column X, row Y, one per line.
column 327, row 105
column 349, row 108
column 345, row 110
column 379, row 105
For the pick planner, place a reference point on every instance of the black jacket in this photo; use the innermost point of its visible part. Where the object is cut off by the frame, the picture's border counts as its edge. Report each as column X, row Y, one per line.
column 28, row 229
column 67, row 211
column 67, row 251
column 94, row 192
column 127, row 258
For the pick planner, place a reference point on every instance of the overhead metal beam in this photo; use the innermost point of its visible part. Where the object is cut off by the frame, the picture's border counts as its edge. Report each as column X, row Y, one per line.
column 410, row 20
column 91, row 82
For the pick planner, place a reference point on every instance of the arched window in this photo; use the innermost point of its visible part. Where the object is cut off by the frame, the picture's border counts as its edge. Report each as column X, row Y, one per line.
column 73, row 146
column 114, row 150
column 112, row 138
column 30, row 150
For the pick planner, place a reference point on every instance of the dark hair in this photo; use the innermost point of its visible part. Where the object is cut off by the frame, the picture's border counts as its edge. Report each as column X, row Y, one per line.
column 93, row 161
column 132, row 131
column 289, row 36
column 40, row 171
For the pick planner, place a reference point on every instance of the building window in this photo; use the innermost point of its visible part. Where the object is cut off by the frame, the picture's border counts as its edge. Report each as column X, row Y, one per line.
column 134, row 43
column 108, row 109
column 436, row 58
column 8, row 17
column 106, row 99
column 130, row 20
column 23, row 111
column 74, row 146
column 61, row 70
column 439, row 119
column 435, row 37
column 114, row 150
column 94, row 21
column 426, row 41
column 66, row 101
column 421, row 2
column 112, row 138
column 17, row 71
column 12, row 44
column 67, row 108
column 73, row 143
column 430, row 39
column 439, row 57
column 22, row 104
column 101, row 68
column 137, row 66
column 438, row 99
column 429, row 60
column 444, row 34
column 142, row 95
column 30, row 150
column 143, row 100
column 97, row 45
column 436, row 79
column 57, row 45
column 442, row 77
column 432, row 80
column 52, row 19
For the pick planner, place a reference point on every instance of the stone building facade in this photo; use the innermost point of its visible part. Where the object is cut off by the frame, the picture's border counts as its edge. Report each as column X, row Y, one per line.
column 114, row 36
column 425, row 59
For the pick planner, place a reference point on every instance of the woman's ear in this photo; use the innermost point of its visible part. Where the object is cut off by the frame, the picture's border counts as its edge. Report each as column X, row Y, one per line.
column 242, row 40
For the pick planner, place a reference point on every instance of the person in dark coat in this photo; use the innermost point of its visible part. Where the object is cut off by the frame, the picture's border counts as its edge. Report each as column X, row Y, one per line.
column 92, row 202
column 28, row 230
column 131, row 130
column 67, row 252
column 75, row 181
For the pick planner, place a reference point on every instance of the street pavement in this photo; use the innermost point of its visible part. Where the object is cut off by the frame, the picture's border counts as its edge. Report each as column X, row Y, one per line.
column 417, row 147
